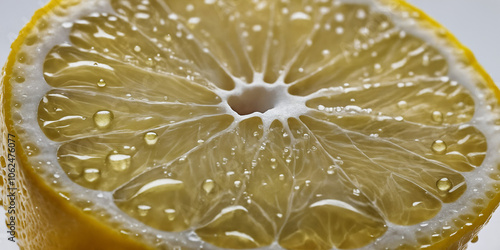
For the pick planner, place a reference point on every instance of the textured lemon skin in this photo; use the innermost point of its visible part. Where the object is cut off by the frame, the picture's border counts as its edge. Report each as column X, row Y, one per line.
column 45, row 220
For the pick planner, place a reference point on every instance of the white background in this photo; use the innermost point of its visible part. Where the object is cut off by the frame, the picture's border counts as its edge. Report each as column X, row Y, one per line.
column 476, row 23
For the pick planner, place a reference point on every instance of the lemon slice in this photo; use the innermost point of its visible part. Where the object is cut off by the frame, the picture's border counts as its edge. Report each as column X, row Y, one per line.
column 162, row 124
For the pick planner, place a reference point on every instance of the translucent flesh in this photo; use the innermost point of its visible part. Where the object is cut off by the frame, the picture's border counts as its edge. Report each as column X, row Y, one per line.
column 363, row 156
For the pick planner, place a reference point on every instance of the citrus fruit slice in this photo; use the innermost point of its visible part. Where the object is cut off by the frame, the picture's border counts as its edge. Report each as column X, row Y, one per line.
column 162, row 124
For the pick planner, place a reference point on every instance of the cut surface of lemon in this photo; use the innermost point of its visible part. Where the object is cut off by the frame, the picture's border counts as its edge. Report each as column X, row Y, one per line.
column 224, row 124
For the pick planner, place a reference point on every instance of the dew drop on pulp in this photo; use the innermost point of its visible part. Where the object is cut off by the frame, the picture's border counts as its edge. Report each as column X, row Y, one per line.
column 91, row 174
column 439, row 147
column 118, row 162
column 103, row 118
column 151, row 138
column 444, row 184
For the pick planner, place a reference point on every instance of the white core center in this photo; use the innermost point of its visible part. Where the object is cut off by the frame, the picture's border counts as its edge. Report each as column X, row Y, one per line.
column 268, row 101
column 255, row 99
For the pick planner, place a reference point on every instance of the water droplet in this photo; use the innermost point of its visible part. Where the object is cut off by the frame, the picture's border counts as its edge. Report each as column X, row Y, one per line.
column 101, row 83
column 282, row 177
column 331, row 170
column 103, row 118
column 279, row 215
column 237, row 184
column 339, row 17
column 170, row 214
column 150, row 62
column 444, row 184
column 208, row 185
column 118, row 162
column 402, row 105
column 256, row 28
column 361, row 14
column 143, row 210
column 91, row 174
column 439, row 147
column 182, row 159
column 300, row 16
column 339, row 30
column 356, row 192
column 193, row 22
column 437, row 116
column 151, row 138
column 425, row 60
column 137, row 48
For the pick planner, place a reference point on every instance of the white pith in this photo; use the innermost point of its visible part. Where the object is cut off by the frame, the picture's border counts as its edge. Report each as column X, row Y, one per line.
column 283, row 103
column 286, row 106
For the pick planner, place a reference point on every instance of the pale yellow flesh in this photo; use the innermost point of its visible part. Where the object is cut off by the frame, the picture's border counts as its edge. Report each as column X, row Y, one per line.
column 137, row 113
